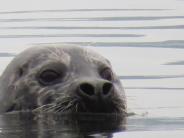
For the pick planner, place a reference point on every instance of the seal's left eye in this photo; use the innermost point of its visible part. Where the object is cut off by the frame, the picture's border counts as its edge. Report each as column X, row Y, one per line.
column 49, row 76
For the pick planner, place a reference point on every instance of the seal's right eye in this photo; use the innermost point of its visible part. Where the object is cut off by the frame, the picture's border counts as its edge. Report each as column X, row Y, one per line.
column 107, row 74
column 49, row 77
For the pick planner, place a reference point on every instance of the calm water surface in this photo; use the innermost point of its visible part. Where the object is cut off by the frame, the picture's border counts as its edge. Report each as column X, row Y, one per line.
column 143, row 40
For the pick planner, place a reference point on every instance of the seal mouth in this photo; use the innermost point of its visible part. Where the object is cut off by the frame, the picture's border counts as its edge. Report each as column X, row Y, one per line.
column 77, row 105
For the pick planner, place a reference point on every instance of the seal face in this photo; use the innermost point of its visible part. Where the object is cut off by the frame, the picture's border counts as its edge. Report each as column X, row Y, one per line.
column 61, row 79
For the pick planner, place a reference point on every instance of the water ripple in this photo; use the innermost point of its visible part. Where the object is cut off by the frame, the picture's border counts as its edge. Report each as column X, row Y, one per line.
column 80, row 10
column 71, row 35
column 178, row 44
column 155, row 88
column 5, row 54
column 152, row 77
column 95, row 27
column 133, row 18
column 175, row 63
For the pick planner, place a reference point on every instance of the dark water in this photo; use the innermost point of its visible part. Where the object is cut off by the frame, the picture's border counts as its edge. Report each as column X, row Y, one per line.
column 60, row 125
column 30, row 125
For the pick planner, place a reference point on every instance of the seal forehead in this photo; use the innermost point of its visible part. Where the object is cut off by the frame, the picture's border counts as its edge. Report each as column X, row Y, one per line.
column 92, row 56
column 58, row 54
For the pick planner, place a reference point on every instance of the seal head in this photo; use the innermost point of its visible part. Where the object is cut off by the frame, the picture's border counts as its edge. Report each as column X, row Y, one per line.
column 61, row 79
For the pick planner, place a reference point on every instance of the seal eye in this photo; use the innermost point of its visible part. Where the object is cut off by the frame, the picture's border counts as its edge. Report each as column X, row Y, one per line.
column 107, row 74
column 49, row 76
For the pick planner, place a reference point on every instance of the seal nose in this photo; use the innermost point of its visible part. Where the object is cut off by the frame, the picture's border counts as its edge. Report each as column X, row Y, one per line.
column 87, row 89
column 107, row 87
column 94, row 92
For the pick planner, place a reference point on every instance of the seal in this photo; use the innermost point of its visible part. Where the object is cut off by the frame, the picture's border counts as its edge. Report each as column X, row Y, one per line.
column 64, row 79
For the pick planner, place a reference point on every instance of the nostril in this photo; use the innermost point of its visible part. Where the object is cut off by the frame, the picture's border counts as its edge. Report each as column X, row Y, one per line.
column 107, row 88
column 87, row 89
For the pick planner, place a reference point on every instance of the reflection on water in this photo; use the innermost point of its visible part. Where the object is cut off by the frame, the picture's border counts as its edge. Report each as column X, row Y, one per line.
column 60, row 125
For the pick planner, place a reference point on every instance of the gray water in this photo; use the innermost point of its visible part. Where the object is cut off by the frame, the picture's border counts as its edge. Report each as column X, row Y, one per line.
column 144, row 40
column 83, row 125
column 60, row 125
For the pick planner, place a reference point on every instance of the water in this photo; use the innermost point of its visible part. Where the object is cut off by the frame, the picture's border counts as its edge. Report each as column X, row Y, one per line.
column 144, row 40
column 60, row 125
